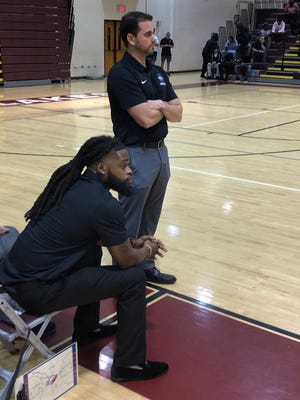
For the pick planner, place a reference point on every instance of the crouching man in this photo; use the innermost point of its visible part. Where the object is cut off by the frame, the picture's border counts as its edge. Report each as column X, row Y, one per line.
column 55, row 262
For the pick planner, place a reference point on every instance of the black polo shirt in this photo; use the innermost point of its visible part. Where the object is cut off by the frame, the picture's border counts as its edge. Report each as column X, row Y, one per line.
column 129, row 84
column 66, row 237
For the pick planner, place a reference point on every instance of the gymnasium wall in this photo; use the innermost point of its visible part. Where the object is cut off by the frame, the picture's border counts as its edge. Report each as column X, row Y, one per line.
column 189, row 21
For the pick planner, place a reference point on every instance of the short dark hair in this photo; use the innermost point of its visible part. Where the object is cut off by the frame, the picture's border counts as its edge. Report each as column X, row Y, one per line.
column 215, row 36
column 130, row 24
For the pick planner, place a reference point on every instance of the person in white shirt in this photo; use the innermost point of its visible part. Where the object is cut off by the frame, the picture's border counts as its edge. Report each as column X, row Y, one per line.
column 278, row 29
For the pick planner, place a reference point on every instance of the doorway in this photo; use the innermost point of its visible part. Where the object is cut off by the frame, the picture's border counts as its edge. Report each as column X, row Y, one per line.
column 113, row 46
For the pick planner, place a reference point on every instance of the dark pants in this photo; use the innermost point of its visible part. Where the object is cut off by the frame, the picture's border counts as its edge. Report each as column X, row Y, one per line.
column 85, row 288
column 277, row 37
column 206, row 60
column 226, row 67
column 292, row 19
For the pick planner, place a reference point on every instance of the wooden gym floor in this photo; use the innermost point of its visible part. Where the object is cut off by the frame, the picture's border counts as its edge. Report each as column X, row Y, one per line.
column 230, row 221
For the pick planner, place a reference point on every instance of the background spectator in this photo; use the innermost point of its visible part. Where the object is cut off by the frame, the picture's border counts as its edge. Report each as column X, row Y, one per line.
column 259, row 49
column 278, row 30
column 243, row 37
column 207, row 51
column 291, row 10
column 267, row 34
column 243, row 64
column 226, row 66
column 166, row 44
column 231, row 46
column 213, row 65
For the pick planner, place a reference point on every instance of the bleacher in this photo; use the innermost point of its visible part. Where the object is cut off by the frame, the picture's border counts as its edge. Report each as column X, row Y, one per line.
column 283, row 59
column 36, row 40
column 287, row 66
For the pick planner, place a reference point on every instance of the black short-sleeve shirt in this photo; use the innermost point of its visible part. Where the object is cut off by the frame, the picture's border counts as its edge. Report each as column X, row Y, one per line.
column 66, row 237
column 130, row 83
column 166, row 51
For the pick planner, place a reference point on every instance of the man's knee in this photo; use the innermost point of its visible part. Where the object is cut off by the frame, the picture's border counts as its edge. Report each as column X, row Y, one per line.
column 136, row 275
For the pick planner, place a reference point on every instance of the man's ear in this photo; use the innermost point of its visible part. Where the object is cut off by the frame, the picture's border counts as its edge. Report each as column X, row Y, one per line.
column 131, row 39
column 101, row 168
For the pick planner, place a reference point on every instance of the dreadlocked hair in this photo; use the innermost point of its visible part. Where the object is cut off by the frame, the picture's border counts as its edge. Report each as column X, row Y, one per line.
column 63, row 178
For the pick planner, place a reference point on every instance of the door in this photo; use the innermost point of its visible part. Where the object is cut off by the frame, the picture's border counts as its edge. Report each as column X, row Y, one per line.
column 113, row 45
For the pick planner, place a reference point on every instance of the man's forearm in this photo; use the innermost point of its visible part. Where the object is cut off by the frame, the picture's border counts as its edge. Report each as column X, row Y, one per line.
column 172, row 112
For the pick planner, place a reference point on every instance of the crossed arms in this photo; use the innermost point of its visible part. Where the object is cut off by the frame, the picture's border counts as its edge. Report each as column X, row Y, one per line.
column 151, row 112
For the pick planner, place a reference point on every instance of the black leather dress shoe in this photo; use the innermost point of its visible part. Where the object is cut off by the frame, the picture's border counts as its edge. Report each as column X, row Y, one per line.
column 154, row 275
column 149, row 370
column 101, row 332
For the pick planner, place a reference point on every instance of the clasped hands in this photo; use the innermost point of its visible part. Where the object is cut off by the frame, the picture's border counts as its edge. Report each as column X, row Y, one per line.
column 156, row 245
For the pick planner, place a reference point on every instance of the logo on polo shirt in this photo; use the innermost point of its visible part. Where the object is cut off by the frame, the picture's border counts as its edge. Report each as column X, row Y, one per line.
column 143, row 82
column 161, row 80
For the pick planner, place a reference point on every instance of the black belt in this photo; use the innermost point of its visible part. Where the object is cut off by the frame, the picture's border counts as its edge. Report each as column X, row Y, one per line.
column 151, row 145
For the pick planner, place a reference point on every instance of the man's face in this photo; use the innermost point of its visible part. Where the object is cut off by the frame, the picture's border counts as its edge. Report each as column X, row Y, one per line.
column 144, row 40
column 114, row 183
column 117, row 173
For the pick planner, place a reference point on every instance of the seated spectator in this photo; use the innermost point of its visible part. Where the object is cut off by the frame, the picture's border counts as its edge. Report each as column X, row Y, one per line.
column 278, row 30
column 259, row 49
column 291, row 9
column 243, row 65
column 231, row 46
column 226, row 66
column 213, row 65
column 267, row 34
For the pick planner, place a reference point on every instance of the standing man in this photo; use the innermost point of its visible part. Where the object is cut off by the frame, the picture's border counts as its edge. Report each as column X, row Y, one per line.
column 55, row 262
column 211, row 44
column 142, row 100
column 153, row 56
column 166, row 44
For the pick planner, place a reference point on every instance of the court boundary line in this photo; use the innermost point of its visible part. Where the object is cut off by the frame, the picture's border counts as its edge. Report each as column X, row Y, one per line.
column 162, row 292
column 236, row 179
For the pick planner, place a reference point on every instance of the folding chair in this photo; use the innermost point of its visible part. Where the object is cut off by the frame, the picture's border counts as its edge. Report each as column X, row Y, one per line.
column 18, row 324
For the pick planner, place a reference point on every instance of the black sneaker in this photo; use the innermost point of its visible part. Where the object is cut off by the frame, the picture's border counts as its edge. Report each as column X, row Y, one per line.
column 103, row 331
column 148, row 370
column 154, row 275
